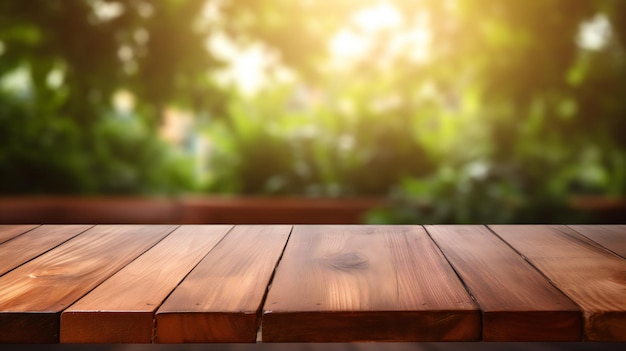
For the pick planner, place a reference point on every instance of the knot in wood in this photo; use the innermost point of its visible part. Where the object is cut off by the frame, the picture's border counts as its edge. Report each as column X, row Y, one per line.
column 348, row 261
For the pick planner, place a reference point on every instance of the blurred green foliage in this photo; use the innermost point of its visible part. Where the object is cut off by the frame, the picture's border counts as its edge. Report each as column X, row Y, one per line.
column 61, row 64
column 464, row 111
column 320, row 151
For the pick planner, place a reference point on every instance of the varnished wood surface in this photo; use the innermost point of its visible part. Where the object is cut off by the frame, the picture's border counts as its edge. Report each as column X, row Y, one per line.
column 8, row 232
column 33, row 295
column 210, row 283
column 107, row 316
column 375, row 283
column 586, row 272
column 518, row 303
column 220, row 299
column 612, row 237
column 35, row 242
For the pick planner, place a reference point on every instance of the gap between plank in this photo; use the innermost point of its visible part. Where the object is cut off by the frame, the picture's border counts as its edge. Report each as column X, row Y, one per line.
column 580, row 309
column 595, row 242
column 529, row 262
column 154, row 321
column 46, row 251
column 112, row 274
column 129, row 262
column 31, row 229
column 469, row 291
column 259, row 334
column 65, row 307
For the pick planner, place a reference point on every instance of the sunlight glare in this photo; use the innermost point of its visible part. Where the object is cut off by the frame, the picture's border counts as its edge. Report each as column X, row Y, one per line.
column 246, row 68
column 247, row 71
column 348, row 45
column 595, row 33
column 379, row 17
column 55, row 78
column 357, row 40
column 414, row 42
column 124, row 101
column 17, row 81
column 211, row 12
column 105, row 11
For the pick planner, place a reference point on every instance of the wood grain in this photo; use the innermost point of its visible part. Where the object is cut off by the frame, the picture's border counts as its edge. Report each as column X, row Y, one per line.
column 586, row 272
column 121, row 310
column 35, row 242
column 366, row 283
column 220, row 299
column 613, row 237
column 8, row 231
column 33, row 295
column 517, row 302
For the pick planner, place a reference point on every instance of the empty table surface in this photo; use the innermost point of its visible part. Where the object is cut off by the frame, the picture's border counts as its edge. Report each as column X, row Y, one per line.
column 311, row 283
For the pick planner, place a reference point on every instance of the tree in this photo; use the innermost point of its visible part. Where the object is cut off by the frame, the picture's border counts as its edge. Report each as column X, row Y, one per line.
column 503, row 84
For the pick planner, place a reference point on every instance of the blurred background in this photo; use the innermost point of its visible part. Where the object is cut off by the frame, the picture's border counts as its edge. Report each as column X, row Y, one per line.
column 392, row 111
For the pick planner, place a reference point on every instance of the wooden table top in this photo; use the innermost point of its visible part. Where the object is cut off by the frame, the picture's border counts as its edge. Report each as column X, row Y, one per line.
column 311, row 283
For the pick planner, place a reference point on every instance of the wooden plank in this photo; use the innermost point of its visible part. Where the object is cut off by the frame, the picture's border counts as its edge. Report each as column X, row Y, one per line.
column 33, row 295
column 121, row 310
column 35, row 242
column 586, row 272
column 220, row 299
column 613, row 237
column 366, row 283
column 517, row 302
column 8, row 231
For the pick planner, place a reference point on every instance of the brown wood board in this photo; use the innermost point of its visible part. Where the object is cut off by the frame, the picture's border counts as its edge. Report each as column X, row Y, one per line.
column 366, row 283
column 121, row 310
column 220, row 299
column 10, row 231
column 586, row 272
column 518, row 303
column 33, row 295
column 613, row 237
column 35, row 242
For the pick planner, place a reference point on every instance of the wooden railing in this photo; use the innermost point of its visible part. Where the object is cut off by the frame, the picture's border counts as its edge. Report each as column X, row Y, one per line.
column 185, row 210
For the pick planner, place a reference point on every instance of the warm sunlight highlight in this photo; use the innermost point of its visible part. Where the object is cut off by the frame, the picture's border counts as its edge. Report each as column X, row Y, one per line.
column 379, row 17
column 380, row 34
